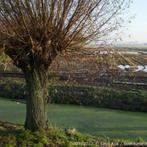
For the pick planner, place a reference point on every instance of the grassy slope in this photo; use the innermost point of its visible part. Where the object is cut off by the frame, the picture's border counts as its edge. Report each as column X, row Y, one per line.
column 95, row 121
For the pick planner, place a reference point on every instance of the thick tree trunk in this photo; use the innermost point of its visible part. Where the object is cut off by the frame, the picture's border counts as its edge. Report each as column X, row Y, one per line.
column 37, row 93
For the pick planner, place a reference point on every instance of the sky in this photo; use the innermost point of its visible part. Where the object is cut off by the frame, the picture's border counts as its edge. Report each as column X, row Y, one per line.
column 137, row 30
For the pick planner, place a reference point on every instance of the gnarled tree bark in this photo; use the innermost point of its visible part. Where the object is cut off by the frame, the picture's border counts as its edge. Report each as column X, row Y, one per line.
column 37, row 93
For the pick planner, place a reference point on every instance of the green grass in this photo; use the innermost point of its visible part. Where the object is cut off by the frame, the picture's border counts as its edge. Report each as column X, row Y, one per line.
column 95, row 121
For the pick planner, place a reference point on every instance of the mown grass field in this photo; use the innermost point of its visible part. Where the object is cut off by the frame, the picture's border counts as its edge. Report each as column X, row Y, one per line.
column 95, row 121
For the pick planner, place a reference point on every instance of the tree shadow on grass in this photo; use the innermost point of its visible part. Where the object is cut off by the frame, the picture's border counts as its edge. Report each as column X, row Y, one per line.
column 10, row 132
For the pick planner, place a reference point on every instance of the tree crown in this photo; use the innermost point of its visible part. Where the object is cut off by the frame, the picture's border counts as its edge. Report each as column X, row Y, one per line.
column 35, row 31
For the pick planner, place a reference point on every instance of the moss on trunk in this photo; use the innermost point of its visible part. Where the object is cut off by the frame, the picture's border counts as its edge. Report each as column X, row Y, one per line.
column 36, row 115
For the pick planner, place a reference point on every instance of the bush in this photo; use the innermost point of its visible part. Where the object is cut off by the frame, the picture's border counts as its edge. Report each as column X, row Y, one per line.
column 99, row 97
column 56, row 137
column 108, row 97
column 12, row 89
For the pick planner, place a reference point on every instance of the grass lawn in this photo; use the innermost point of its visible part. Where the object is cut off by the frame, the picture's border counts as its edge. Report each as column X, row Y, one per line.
column 95, row 121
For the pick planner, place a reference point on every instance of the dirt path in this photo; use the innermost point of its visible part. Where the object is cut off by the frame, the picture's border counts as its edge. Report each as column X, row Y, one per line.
column 9, row 126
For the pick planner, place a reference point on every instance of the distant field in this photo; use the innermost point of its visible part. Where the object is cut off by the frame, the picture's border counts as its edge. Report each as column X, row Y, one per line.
column 95, row 121
column 134, row 48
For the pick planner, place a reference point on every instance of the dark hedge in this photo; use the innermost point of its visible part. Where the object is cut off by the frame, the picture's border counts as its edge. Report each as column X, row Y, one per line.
column 108, row 97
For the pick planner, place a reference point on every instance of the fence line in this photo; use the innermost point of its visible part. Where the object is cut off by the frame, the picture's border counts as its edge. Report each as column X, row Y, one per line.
column 80, row 78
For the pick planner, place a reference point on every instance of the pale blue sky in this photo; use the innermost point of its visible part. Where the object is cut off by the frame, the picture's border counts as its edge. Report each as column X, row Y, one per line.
column 138, row 28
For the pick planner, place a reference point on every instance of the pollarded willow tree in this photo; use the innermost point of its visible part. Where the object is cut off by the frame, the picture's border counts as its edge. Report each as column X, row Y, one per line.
column 34, row 32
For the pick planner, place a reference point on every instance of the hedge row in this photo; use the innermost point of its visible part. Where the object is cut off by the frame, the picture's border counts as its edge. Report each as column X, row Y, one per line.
column 99, row 97
column 134, row 100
